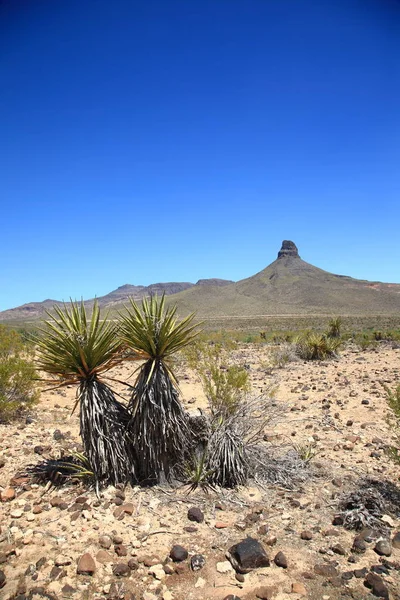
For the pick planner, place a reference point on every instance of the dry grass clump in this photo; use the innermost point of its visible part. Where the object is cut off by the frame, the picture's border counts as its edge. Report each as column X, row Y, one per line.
column 367, row 503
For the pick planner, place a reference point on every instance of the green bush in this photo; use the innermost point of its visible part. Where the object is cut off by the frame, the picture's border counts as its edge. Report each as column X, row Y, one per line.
column 224, row 383
column 393, row 399
column 317, row 346
column 17, row 373
column 335, row 327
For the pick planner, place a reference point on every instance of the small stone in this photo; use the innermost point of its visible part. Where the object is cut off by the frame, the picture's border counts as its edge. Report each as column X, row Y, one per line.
column 306, row 535
column 383, row 548
column 197, row 562
column 221, row 525
column 86, row 565
column 105, row 541
column 158, row 572
column 58, row 436
column 365, row 402
column 67, row 590
column 271, row 541
column 16, row 514
column 224, row 567
column 200, row 583
column 337, row 520
column 299, row 588
column 239, row 577
column 104, row 557
column 2, row 579
column 195, row 514
column 375, row 583
column 338, row 549
column 121, row 570
column 121, row 550
column 134, row 565
column 360, row 573
column 117, row 539
column 265, row 592
column 325, row 570
column 232, row 597
column 178, row 553
column 8, row 494
column 281, row 561
column 248, row 554
column 359, row 546
column 396, row 540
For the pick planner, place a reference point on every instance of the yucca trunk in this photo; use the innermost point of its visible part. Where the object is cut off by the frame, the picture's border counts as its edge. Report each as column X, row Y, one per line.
column 159, row 425
column 103, row 428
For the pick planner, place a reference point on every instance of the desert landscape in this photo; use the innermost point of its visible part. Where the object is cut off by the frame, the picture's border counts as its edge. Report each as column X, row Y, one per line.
column 330, row 416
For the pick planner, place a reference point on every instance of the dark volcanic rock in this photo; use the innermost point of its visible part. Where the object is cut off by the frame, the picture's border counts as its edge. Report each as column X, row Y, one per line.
column 195, row 514
column 178, row 553
column 375, row 583
column 281, row 561
column 121, row 570
column 247, row 555
column 288, row 249
column 2, row 579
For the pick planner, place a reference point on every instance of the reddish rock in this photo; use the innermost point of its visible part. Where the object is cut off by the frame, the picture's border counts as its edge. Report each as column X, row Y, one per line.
column 104, row 557
column 299, row 588
column 221, row 525
column 8, row 494
column 86, row 565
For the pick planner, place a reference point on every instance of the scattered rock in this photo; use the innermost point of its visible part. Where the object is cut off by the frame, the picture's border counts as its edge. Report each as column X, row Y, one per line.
column 306, row 535
column 2, row 579
column 338, row 549
column 121, row 570
column 104, row 557
column 375, row 583
column 383, row 548
column 359, row 546
column 265, row 592
column 299, row 588
column 8, row 494
column 247, row 555
column 360, row 573
column 105, row 541
column 86, row 565
column 326, row 570
column 178, row 553
column 195, row 514
column 281, row 561
column 197, row 562
column 396, row 540
column 224, row 567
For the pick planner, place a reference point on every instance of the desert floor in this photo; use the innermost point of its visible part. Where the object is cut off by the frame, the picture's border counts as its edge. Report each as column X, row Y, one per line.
column 43, row 535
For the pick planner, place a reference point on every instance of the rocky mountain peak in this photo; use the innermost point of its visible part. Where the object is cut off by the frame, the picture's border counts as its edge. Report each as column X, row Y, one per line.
column 288, row 249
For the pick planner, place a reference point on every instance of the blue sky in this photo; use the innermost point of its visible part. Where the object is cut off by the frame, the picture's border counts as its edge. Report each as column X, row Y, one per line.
column 182, row 139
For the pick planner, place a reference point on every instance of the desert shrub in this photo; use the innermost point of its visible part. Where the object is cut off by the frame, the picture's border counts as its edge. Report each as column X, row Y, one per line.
column 224, row 383
column 335, row 326
column 317, row 346
column 281, row 355
column 366, row 504
column 393, row 399
column 17, row 375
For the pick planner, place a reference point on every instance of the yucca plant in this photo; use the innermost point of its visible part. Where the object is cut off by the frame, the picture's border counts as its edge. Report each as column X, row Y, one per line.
column 76, row 349
column 159, row 425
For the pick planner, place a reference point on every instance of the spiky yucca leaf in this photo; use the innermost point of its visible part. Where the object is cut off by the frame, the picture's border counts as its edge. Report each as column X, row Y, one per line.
column 73, row 347
column 154, row 333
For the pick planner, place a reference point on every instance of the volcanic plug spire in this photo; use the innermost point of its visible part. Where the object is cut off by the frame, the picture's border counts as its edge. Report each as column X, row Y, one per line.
column 288, row 249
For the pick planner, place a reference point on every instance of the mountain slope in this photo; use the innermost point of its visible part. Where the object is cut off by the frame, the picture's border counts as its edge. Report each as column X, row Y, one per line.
column 290, row 285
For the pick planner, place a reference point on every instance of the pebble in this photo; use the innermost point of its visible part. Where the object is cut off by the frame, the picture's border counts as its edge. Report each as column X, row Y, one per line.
column 195, row 514
column 224, row 567
column 299, row 588
column 105, row 541
column 281, row 561
column 8, row 494
column 86, row 565
column 383, row 548
column 16, row 514
column 178, row 553
column 121, row 570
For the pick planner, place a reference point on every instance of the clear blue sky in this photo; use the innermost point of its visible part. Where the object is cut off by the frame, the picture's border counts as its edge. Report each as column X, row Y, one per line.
column 172, row 140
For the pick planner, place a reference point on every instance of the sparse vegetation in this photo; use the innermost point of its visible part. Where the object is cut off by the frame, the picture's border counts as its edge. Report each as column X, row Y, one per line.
column 158, row 423
column 74, row 349
column 393, row 398
column 18, row 391
column 335, row 327
column 316, row 346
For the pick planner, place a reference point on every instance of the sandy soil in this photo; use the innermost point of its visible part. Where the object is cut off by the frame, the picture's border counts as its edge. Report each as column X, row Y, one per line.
column 41, row 541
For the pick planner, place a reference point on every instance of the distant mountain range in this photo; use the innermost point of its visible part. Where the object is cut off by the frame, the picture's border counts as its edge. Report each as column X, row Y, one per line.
column 288, row 286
